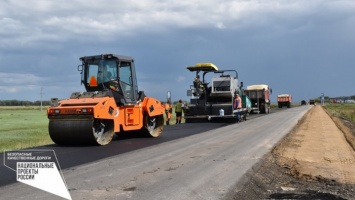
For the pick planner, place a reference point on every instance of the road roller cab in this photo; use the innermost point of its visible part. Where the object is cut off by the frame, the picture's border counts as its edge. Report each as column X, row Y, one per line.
column 111, row 104
column 111, row 72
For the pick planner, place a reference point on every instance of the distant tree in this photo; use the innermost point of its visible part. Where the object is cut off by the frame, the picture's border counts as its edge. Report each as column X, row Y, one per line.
column 15, row 102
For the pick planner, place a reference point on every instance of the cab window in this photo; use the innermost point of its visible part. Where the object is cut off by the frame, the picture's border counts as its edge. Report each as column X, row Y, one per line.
column 92, row 72
column 126, row 79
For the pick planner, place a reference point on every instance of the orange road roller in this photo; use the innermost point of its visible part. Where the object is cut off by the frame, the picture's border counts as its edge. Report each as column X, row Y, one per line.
column 111, row 105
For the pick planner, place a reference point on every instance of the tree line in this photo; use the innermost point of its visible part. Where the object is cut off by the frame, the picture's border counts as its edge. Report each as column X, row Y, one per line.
column 23, row 103
column 346, row 97
column 48, row 103
column 328, row 99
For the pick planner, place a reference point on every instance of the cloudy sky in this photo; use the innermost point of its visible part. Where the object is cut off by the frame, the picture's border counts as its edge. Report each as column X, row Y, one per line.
column 301, row 47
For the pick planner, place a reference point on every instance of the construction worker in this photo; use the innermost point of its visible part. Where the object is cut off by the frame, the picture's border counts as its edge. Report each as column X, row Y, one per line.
column 178, row 112
column 168, row 111
column 198, row 85
column 183, row 105
column 197, row 80
column 237, row 104
column 108, row 76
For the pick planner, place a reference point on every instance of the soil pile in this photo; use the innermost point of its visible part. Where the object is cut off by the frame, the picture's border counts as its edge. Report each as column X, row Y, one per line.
column 315, row 161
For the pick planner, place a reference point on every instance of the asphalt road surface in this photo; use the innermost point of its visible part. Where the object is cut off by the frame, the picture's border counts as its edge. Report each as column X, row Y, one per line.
column 189, row 161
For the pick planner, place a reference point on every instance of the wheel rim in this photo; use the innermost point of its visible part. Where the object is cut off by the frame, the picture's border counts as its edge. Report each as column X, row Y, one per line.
column 103, row 131
column 98, row 129
column 151, row 124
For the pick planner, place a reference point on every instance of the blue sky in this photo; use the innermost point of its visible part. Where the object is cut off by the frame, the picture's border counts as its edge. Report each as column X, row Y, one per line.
column 301, row 47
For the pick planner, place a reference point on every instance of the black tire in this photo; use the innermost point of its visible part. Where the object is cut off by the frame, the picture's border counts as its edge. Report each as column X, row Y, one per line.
column 262, row 109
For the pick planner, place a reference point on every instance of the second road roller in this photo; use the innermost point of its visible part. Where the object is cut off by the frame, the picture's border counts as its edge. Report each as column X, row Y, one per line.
column 112, row 104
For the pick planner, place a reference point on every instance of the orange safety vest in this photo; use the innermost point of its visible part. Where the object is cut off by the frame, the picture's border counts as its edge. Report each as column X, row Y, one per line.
column 167, row 110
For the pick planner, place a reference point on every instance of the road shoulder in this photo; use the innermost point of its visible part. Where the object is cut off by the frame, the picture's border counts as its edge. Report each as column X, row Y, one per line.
column 294, row 171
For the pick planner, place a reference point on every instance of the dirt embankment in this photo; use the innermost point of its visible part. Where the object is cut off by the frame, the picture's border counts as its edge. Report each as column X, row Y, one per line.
column 315, row 161
column 317, row 149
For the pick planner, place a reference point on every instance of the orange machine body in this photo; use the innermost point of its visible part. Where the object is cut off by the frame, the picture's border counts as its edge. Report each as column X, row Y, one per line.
column 127, row 118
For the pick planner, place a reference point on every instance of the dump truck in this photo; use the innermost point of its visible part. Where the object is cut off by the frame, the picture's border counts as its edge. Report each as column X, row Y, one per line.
column 284, row 100
column 312, row 102
column 111, row 104
column 259, row 96
column 303, row 102
column 214, row 100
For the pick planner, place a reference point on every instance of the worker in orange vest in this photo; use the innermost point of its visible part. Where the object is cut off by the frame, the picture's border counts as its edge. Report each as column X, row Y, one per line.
column 168, row 111
column 237, row 104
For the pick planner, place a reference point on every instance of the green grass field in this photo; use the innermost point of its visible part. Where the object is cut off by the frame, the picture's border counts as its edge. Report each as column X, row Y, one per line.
column 23, row 127
column 346, row 111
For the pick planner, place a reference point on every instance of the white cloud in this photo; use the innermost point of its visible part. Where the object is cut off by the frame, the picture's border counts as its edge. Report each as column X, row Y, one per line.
column 18, row 83
column 220, row 25
column 18, row 88
column 18, row 79
column 10, row 89
column 180, row 79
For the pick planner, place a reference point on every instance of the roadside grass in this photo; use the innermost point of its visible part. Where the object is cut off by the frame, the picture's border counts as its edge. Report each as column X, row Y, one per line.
column 23, row 127
column 26, row 126
column 345, row 111
column 273, row 105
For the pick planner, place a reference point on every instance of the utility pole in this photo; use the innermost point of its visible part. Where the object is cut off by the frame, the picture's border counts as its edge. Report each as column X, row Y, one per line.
column 169, row 97
column 322, row 99
column 41, row 96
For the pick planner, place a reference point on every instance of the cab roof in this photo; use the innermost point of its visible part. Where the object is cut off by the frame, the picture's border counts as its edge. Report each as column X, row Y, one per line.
column 107, row 56
column 206, row 67
column 257, row 87
column 283, row 95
